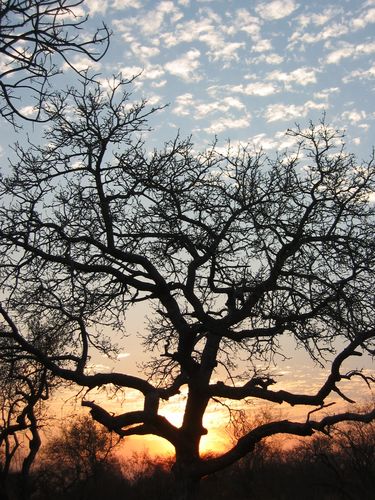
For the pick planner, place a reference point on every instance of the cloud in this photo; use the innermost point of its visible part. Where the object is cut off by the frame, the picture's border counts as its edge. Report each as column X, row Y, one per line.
column 186, row 105
column 28, row 110
column 123, row 355
column 354, row 116
column 129, row 72
column 277, row 9
column 185, row 67
column 320, row 18
column 82, row 63
column 285, row 112
column 261, row 89
column 101, row 6
column 183, row 104
column 151, row 22
column 350, row 50
column 325, row 93
column 300, row 76
column 364, row 19
column 268, row 59
column 244, row 21
column 226, row 52
column 187, row 32
column 360, row 74
column 335, row 30
column 144, row 52
column 222, row 124
column 262, row 46
column 158, row 85
column 209, row 30
column 148, row 72
column 262, row 141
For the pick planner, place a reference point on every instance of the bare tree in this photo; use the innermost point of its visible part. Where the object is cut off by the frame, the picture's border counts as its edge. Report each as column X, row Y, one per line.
column 233, row 251
column 23, row 389
column 81, row 451
column 32, row 33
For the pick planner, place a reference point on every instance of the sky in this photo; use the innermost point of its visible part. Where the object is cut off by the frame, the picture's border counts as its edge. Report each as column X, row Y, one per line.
column 245, row 71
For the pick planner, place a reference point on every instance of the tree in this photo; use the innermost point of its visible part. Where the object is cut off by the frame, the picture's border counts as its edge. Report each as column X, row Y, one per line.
column 24, row 386
column 32, row 33
column 233, row 251
column 81, row 451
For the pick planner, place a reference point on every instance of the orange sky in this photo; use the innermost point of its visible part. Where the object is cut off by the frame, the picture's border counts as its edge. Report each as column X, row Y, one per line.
column 297, row 374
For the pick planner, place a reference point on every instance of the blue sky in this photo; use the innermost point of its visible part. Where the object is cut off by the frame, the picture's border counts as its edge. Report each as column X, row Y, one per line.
column 246, row 70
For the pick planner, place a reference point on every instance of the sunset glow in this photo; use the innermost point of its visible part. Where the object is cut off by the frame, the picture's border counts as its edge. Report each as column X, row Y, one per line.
column 187, row 257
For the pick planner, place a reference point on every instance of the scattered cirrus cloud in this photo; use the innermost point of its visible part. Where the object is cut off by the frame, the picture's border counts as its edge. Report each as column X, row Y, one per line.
column 286, row 112
column 239, row 68
column 348, row 50
column 186, row 66
column 227, row 123
column 277, row 9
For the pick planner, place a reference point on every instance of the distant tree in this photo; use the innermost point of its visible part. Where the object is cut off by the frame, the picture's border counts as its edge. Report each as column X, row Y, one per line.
column 234, row 251
column 346, row 455
column 32, row 33
column 80, row 452
column 24, row 387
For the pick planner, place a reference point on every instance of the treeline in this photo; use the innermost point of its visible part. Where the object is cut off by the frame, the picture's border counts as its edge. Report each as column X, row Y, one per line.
column 82, row 462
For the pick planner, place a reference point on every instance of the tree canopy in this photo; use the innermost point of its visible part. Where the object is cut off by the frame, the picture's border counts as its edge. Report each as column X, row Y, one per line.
column 232, row 249
column 36, row 37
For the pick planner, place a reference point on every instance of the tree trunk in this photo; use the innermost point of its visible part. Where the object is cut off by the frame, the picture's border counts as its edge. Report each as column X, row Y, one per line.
column 186, row 483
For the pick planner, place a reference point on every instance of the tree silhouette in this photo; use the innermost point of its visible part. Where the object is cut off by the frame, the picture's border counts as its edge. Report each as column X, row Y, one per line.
column 81, row 451
column 24, row 386
column 32, row 33
column 233, row 251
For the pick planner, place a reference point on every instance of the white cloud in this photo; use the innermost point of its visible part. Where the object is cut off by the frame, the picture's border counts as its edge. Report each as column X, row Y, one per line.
column 222, row 124
column 262, row 141
column 262, row 46
column 209, row 30
column 268, row 59
column 320, row 18
column 226, row 52
column 261, row 89
column 300, row 76
column 364, row 19
column 360, row 74
column 244, row 21
column 350, row 50
column 186, row 66
column 123, row 355
column 158, row 85
column 81, row 64
column 144, row 52
column 28, row 110
column 285, row 112
column 150, row 23
column 332, row 31
column 201, row 30
column 101, row 6
column 186, row 105
column 153, row 71
column 130, row 72
column 96, row 6
column 325, row 93
column 354, row 116
column 183, row 104
column 149, row 72
column 277, row 9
